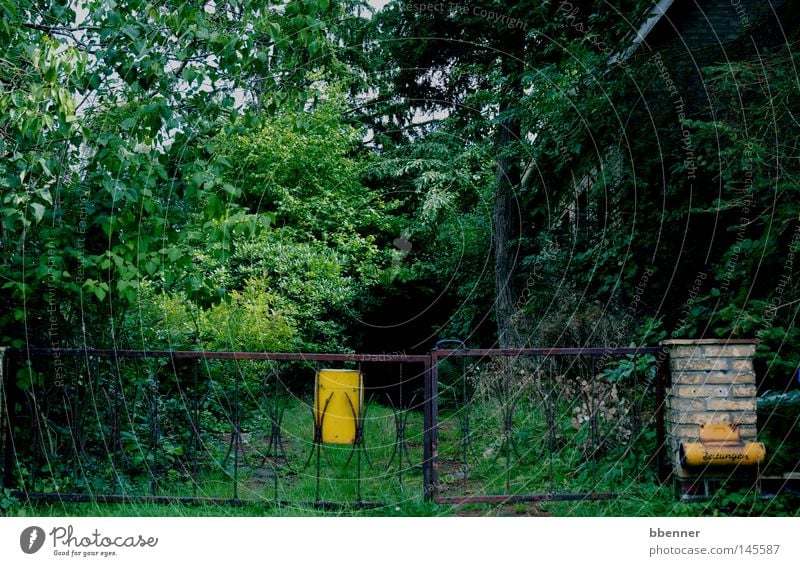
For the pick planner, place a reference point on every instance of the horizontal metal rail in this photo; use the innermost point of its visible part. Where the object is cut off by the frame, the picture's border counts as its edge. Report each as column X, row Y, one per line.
column 314, row 356
column 487, row 352
column 210, row 355
column 531, row 497
column 177, row 500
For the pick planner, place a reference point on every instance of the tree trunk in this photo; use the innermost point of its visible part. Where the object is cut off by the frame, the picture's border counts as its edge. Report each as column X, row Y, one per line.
column 506, row 219
column 508, row 177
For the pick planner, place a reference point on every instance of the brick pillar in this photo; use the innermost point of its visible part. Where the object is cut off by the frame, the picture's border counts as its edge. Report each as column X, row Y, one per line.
column 712, row 382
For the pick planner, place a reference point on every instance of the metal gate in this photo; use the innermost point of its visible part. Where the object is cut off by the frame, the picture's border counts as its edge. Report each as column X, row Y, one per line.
column 124, row 426
column 543, row 424
column 497, row 426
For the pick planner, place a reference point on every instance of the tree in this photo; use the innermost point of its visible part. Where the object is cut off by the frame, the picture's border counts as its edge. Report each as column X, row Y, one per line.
column 691, row 212
column 107, row 130
column 475, row 61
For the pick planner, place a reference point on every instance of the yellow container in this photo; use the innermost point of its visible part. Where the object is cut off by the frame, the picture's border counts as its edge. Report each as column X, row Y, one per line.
column 721, row 445
column 719, row 432
column 721, row 454
column 337, row 403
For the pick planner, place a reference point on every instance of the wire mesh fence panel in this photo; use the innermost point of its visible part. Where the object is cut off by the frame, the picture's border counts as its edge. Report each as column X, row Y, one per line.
column 232, row 426
column 516, row 424
column 120, row 426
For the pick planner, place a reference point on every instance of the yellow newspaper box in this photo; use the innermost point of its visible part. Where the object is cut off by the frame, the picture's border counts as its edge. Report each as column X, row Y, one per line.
column 721, row 445
column 337, row 404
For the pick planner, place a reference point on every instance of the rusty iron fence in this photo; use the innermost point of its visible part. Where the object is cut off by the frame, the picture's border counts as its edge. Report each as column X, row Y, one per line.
column 544, row 424
column 163, row 426
column 167, row 426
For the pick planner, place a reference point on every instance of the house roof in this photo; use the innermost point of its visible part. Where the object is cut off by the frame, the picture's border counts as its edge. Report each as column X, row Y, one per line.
column 651, row 19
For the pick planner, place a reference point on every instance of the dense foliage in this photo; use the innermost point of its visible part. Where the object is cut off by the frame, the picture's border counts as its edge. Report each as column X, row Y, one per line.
column 265, row 175
column 322, row 176
column 119, row 126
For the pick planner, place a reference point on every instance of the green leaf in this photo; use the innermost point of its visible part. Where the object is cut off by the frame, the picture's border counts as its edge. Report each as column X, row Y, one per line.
column 38, row 211
column 173, row 254
column 131, row 31
column 230, row 189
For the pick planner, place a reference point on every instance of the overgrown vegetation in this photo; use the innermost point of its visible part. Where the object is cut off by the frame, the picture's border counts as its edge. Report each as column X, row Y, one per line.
column 630, row 476
column 312, row 175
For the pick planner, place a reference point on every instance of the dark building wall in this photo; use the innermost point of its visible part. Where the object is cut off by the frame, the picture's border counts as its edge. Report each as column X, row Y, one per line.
column 691, row 25
column 696, row 24
column 698, row 33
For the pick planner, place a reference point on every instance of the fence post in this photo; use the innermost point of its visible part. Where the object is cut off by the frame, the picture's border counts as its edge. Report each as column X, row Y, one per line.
column 8, row 383
column 434, row 425
column 3, row 413
column 430, row 445
column 662, row 378
column 427, row 420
